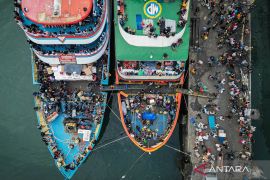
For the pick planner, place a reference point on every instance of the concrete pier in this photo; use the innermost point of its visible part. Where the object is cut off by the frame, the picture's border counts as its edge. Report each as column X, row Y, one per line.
column 218, row 66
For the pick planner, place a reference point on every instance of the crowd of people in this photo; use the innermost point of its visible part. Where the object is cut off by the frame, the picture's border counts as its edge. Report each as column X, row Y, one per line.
column 83, row 109
column 141, row 68
column 182, row 20
column 149, row 28
column 58, row 155
column 86, row 26
column 149, row 117
column 101, row 73
column 229, row 20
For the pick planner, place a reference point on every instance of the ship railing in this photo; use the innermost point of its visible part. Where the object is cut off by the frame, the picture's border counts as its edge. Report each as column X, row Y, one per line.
column 100, row 44
column 151, row 77
column 74, row 77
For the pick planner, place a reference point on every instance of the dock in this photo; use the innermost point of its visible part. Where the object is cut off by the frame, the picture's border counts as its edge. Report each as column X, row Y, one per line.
column 218, row 141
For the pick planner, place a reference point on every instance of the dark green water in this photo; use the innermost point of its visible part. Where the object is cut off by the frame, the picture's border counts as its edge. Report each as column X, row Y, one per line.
column 24, row 156
column 261, row 78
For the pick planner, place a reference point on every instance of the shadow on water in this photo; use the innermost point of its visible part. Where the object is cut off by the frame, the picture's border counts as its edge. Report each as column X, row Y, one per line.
column 183, row 126
column 260, row 78
column 111, row 81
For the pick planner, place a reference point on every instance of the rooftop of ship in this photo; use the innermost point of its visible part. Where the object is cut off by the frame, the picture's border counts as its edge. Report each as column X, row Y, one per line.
column 56, row 12
column 56, row 18
column 142, row 36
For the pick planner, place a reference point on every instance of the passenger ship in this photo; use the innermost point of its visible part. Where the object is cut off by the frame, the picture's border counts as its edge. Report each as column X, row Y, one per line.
column 152, row 42
column 69, row 42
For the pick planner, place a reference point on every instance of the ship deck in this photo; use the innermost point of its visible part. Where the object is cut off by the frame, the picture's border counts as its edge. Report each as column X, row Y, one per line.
column 151, row 133
column 42, row 11
column 61, row 140
column 135, row 9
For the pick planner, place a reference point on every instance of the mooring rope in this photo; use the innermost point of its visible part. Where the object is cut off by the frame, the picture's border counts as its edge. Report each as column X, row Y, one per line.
column 68, row 152
column 114, row 112
column 178, row 150
column 119, row 139
column 132, row 165
column 110, row 139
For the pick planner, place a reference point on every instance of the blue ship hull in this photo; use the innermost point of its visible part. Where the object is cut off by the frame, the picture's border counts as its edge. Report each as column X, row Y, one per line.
column 69, row 63
column 56, row 128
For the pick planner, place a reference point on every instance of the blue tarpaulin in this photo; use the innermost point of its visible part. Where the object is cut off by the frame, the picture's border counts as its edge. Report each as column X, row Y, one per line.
column 221, row 139
column 192, row 120
column 139, row 21
column 149, row 116
column 212, row 122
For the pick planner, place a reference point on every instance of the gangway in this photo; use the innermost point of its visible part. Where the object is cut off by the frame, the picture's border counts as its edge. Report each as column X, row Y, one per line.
column 122, row 87
column 161, row 89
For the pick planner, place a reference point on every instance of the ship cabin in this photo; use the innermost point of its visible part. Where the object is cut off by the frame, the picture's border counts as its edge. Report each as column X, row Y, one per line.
column 68, row 71
column 72, row 53
column 62, row 22
column 152, row 39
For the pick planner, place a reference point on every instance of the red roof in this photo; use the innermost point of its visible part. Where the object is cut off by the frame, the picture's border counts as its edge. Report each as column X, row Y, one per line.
column 56, row 12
